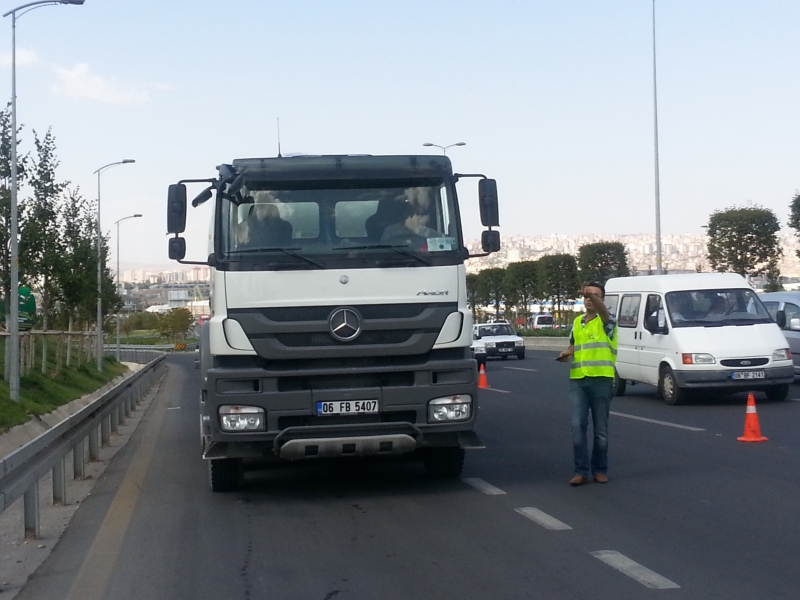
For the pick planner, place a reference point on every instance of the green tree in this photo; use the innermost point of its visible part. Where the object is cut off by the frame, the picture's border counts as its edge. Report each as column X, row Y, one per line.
column 472, row 293
column 794, row 216
column 558, row 277
column 491, row 288
column 602, row 261
column 41, row 245
column 175, row 324
column 744, row 240
column 522, row 285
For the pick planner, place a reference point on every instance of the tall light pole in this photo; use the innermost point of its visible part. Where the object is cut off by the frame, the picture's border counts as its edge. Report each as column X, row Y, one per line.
column 118, row 286
column 125, row 161
column 444, row 148
column 659, row 269
column 13, row 296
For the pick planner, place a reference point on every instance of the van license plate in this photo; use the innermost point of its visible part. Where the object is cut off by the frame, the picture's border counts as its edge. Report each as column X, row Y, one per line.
column 347, row 407
column 748, row 375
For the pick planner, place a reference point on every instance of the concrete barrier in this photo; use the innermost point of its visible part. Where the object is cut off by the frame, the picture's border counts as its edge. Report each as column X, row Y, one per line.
column 546, row 343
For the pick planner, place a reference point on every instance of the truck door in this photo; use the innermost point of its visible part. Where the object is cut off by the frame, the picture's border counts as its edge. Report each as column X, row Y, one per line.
column 652, row 346
column 628, row 332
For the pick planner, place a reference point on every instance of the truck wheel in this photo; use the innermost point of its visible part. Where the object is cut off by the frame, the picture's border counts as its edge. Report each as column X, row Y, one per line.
column 668, row 386
column 444, row 462
column 778, row 393
column 225, row 474
column 619, row 385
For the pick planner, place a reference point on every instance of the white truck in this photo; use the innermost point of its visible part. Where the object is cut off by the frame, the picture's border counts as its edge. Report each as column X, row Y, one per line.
column 339, row 321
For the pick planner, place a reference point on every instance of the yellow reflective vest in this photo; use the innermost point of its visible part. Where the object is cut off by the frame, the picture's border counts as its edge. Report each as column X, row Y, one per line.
column 595, row 353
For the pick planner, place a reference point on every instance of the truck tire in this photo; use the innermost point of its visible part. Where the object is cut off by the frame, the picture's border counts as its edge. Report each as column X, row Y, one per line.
column 225, row 474
column 671, row 393
column 446, row 462
column 778, row 393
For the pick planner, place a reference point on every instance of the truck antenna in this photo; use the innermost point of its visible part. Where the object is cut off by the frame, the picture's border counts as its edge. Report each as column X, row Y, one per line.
column 279, row 137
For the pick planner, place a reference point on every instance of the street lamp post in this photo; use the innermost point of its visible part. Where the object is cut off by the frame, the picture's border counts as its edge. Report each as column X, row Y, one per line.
column 444, row 148
column 13, row 296
column 118, row 286
column 659, row 269
column 100, row 265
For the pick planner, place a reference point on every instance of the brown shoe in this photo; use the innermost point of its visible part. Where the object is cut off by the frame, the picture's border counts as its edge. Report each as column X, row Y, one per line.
column 578, row 480
column 600, row 478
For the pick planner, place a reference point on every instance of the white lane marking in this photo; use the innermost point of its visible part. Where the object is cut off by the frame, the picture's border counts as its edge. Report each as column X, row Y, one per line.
column 687, row 427
column 795, row 399
column 491, row 389
column 542, row 518
column 521, row 369
column 634, row 570
column 483, row 486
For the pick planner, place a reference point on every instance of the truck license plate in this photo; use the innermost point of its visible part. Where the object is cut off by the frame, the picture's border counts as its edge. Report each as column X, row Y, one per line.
column 347, row 407
column 748, row 375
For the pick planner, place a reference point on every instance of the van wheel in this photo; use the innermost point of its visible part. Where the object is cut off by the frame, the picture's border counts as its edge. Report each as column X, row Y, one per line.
column 619, row 385
column 225, row 474
column 778, row 393
column 445, row 462
column 668, row 387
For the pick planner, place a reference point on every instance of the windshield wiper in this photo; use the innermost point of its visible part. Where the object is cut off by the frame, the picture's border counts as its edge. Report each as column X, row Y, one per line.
column 288, row 251
column 398, row 249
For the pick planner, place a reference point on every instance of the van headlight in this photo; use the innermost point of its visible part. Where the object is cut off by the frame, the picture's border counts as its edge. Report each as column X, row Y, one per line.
column 699, row 358
column 450, row 408
column 234, row 417
column 782, row 354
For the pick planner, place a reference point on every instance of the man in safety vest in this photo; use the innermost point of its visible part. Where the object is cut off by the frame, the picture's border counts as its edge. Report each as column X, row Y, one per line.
column 593, row 348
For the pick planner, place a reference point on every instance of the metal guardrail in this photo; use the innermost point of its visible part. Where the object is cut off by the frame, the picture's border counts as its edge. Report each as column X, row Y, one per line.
column 21, row 470
column 110, row 349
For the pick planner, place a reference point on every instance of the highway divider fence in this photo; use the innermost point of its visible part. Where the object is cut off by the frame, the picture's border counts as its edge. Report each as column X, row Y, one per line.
column 82, row 434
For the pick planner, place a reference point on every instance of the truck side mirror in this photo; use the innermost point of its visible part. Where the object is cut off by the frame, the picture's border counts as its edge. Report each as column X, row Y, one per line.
column 177, row 248
column 490, row 241
column 780, row 319
column 487, row 201
column 176, row 209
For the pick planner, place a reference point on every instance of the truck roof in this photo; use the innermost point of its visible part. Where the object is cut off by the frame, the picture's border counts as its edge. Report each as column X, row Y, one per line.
column 294, row 168
column 672, row 283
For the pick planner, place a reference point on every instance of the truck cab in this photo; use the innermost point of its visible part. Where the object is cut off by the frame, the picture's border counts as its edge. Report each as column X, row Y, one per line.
column 339, row 324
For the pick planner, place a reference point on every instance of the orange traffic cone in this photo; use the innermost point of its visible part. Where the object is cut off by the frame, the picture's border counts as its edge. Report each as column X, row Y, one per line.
column 482, row 382
column 752, row 431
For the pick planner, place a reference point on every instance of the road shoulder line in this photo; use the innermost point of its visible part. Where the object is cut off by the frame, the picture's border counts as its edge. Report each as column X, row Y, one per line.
column 483, row 486
column 542, row 518
column 656, row 422
column 634, row 570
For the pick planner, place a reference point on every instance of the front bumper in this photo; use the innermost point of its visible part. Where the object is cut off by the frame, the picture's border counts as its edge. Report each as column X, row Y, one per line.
column 294, row 430
column 723, row 378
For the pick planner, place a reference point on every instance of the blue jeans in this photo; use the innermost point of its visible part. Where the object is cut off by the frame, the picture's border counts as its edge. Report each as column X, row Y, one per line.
column 590, row 393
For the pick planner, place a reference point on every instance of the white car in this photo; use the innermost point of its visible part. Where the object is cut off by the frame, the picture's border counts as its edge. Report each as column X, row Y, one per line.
column 496, row 339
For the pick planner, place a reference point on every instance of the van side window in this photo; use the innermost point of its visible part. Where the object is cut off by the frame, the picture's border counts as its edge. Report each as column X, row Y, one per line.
column 612, row 302
column 629, row 310
column 653, row 304
column 772, row 309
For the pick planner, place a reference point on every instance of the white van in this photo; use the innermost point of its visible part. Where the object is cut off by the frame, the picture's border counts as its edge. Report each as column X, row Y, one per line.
column 703, row 330
column 542, row 321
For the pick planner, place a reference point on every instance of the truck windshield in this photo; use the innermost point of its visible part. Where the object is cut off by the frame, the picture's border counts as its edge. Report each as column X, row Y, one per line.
column 710, row 308
column 398, row 223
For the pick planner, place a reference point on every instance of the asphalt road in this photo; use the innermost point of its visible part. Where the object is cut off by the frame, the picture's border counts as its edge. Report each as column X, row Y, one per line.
column 689, row 512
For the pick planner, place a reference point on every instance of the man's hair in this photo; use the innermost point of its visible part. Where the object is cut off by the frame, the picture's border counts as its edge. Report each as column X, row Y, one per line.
column 597, row 285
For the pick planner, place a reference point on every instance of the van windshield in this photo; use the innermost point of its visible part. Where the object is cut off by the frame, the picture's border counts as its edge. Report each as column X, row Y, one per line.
column 715, row 308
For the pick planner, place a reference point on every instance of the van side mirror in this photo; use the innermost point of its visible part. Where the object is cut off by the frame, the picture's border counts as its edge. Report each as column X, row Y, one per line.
column 177, row 248
column 655, row 323
column 176, row 209
column 780, row 319
column 490, row 241
column 487, row 201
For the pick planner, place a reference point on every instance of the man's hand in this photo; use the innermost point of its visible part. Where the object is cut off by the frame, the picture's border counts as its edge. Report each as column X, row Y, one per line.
column 565, row 355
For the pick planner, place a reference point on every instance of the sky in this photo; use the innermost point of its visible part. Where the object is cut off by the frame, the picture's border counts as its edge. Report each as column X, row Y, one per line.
column 554, row 99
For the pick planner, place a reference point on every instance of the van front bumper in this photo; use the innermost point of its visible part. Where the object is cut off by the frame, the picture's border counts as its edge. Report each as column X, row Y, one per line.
column 724, row 378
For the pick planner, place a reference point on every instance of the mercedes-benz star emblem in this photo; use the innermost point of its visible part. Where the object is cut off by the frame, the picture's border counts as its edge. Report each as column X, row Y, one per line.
column 345, row 324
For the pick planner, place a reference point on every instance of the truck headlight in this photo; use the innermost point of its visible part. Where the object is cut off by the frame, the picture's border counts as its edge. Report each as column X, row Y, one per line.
column 782, row 354
column 519, row 343
column 699, row 358
column 450, row 408
column 490, row 344
column 234, row 417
